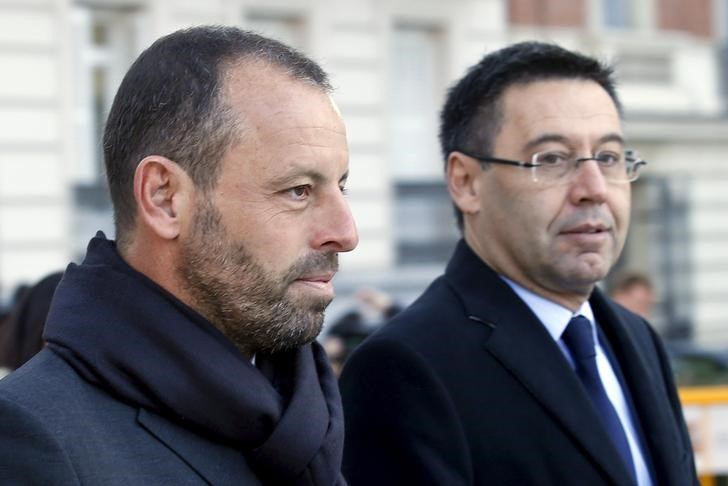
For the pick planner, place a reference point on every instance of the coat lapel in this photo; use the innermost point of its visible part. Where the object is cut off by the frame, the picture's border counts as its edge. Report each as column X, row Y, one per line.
column 649, row 394
column 215, row 463
column 522, row 345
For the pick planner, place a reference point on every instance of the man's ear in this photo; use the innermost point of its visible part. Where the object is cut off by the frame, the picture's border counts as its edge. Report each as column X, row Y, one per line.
column 463, row 182
column 163, row 192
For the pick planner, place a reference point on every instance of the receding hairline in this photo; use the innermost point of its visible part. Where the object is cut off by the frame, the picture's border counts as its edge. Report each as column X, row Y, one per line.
column 256, row 69
column 255, row 72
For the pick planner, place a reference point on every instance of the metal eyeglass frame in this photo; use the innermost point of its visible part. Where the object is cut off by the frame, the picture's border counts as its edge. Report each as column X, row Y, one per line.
column 631, row 158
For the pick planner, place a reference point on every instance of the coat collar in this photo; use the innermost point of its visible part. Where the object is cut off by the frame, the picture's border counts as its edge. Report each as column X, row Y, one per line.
column 522, row 345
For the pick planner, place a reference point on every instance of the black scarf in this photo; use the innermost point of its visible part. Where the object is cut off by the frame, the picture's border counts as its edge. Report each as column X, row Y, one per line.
column 121, row 331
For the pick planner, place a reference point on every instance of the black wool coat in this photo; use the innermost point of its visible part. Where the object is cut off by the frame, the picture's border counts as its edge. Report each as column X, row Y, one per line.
column 466, row 387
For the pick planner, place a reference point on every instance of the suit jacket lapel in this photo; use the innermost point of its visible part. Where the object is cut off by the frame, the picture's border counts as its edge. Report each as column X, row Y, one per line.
column 215, row 463
column 646, row 386
column 522, row 345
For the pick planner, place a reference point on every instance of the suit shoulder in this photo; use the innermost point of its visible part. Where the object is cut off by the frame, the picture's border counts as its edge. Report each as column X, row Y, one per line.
column 76, row 412
column 432, row 336
column 26, row 441
column 85, row 434
column 437, row 305
column 44, row 384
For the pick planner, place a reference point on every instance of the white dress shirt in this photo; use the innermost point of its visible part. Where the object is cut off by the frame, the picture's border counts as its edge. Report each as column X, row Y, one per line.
column 555, row 318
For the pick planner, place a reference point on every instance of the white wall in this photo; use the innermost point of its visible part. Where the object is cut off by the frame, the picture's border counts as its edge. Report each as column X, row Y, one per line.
column 677, row 120
column 34, row 148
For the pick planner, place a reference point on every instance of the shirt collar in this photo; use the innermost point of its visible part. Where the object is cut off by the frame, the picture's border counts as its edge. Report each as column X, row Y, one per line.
column 553, row 316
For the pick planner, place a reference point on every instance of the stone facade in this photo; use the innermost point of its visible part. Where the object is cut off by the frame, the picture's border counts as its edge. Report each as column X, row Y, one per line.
column 391, row 62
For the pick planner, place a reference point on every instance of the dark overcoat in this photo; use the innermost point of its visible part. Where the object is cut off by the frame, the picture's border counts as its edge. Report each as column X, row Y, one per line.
column 466, row 387
column 57, row 428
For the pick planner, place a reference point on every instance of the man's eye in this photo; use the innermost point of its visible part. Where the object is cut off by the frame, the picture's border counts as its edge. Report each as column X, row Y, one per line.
column 608, row 158
column 552, row 158
column 300, row 192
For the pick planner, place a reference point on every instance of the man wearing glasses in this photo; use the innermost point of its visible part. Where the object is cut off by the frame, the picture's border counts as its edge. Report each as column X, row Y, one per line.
column 513, row 368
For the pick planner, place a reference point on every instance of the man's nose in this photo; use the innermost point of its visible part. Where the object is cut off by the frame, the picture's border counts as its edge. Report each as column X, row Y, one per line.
column 588, row 183
column 335, row 226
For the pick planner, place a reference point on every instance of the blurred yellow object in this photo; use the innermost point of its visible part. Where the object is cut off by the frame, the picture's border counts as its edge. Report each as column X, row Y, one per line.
column 706, row 415
column 707, row 480
column 702, row 395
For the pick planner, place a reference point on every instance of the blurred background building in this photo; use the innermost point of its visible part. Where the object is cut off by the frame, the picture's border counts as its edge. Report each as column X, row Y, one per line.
column 391, row 61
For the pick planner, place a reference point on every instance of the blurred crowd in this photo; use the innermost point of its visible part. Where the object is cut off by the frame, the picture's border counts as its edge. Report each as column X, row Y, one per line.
column 21, row 323
column 373, row 308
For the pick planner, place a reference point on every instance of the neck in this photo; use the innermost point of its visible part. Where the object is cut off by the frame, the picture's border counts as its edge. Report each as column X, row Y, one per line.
column 158, row 262
column 571, row 299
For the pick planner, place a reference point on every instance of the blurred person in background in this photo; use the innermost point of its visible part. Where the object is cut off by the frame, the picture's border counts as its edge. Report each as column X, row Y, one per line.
column 21, row 332
column 374, row 308
column 634, row 291
column 15, row 298
column 184, row 352
column 513, row 368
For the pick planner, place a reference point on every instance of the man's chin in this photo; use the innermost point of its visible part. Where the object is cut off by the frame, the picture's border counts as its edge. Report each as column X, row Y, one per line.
column 586, row 268
column 305, row 336
column 311, row 294
column 310, row 303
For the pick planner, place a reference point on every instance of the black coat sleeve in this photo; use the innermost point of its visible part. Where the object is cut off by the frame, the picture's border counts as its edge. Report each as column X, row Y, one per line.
column 401, row 426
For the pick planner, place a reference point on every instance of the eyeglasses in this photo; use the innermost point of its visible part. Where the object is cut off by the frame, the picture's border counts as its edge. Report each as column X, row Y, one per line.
column 555, row 166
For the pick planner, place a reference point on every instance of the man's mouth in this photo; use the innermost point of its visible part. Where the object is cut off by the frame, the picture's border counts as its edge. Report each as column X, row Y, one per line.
column 316, row 273
column 587, row 236
column 587, row 228
column 319, row 278
column 321, row 282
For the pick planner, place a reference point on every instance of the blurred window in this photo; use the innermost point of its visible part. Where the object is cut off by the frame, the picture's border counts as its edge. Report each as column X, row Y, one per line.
column 416, row 87
column 636, row 66
column 425, row 227
column 105, row 44
column 105, row 41
column 618, row 14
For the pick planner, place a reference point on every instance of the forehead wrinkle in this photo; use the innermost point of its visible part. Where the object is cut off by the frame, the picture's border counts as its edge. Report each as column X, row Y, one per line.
column 305, row 128
column 310, row 145
column 526, row 121
column 305, row 143
column 567, row 136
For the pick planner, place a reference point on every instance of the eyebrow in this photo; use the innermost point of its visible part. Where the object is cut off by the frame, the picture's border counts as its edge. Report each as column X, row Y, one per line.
column 555, row 137
column 294, row 175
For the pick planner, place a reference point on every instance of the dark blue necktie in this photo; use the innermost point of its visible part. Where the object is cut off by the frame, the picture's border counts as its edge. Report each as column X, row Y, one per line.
column 579, row 339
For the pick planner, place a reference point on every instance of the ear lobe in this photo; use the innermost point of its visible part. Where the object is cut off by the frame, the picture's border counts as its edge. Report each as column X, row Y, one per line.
column 463, row 182
column 161, row 191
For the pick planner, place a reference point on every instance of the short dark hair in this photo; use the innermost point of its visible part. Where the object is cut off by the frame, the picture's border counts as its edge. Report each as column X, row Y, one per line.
column 170, row 103
column 472, row 114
